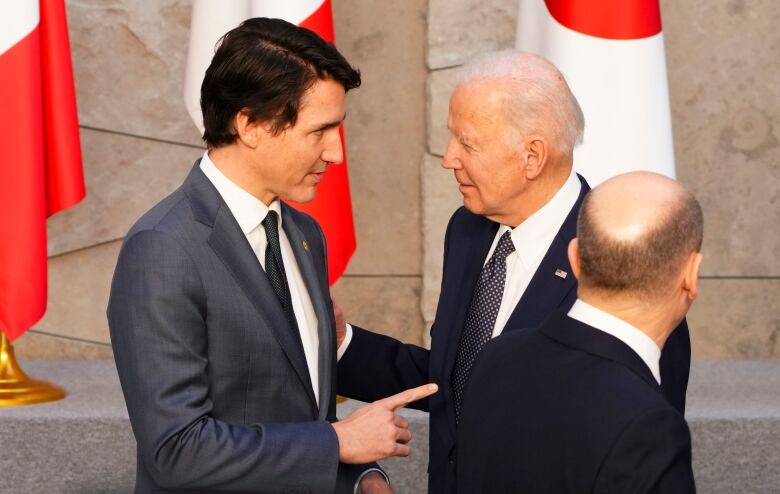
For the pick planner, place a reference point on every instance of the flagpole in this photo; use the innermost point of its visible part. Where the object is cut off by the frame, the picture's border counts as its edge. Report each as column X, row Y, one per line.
column 16, row 387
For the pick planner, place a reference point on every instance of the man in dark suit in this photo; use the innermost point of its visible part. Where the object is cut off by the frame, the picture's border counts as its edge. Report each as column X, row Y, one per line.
column 514, row 124
column 576, row 405
column 220, row 315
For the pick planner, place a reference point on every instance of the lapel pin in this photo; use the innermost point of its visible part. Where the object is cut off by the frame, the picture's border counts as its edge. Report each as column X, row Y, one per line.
column 561, row 274
column 305, row 246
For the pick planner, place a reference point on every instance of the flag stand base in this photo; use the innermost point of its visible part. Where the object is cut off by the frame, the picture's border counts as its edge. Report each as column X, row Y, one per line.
column 16, row 388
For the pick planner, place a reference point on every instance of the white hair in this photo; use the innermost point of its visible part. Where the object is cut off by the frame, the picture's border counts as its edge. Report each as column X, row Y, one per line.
column 538, row 98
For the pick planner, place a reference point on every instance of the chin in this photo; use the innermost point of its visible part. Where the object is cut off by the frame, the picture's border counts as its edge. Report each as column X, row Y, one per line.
column 472, row 205
column 302, row 196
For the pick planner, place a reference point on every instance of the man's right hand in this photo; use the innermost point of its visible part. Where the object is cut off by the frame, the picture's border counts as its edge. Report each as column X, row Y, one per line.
column 375, row 432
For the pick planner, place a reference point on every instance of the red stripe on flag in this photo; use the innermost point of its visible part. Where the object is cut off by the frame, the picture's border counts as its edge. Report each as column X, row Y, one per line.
column 321, row 22
column 64, row 174
column 332, row 207
column 22, row 186
column 40, row 173
column 612, row 19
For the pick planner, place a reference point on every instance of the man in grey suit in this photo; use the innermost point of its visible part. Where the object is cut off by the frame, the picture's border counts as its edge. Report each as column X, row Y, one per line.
column 220, row 315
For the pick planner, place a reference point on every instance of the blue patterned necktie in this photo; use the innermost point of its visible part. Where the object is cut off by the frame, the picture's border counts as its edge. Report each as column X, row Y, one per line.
column 481, row 317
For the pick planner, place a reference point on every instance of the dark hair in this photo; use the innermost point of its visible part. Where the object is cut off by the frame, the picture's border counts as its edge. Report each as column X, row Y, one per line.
column 645, row 265
column 264, row 66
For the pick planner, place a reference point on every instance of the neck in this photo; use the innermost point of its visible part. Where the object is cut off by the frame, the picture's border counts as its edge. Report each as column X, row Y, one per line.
column 233, row 163
column 539, row 192
column 656, row 320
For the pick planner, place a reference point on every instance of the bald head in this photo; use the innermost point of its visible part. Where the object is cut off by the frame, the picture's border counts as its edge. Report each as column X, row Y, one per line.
column 635, row 232
column 534, row 96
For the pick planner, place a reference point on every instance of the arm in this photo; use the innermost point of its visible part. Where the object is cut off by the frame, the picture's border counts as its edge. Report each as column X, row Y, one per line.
column 652, row 455
column 158, row 331
column 375, row 366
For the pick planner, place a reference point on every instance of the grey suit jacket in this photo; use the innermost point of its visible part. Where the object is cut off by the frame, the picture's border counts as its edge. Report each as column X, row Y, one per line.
column 215, row 380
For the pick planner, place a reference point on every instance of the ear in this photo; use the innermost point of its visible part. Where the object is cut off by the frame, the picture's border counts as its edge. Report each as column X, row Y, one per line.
column 535, row 156
column 574, row 257
column 691, row 278
column 249, row 133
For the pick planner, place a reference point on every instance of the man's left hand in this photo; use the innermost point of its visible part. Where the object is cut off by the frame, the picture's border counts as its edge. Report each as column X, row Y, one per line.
column 374, row 483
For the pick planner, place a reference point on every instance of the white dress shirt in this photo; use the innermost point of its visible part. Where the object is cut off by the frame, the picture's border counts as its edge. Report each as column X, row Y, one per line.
column 640, row 343
column 250, row 212
column 532, row 239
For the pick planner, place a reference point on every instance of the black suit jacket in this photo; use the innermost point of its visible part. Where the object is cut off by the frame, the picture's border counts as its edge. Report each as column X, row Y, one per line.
column 375, row 365
column 568, row 409
column 215, row 380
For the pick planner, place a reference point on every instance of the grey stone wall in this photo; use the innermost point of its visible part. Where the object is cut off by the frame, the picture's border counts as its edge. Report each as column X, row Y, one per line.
column 139, row 143
column 724, row 76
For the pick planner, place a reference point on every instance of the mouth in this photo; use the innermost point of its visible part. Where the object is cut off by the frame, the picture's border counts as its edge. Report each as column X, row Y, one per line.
column 317, row 176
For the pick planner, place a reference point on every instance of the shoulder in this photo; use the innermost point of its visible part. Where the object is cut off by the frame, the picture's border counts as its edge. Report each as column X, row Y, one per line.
column 168, row 214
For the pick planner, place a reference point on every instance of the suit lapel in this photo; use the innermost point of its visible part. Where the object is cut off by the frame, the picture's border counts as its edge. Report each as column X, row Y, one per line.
column 316, row 287
column 230, row 244
column 581, row 336
column 469, row 260
column 464, row 266
column 549, row 285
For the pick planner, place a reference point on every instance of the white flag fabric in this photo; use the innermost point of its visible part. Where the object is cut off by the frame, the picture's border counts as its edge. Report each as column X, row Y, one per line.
column 211, row 19
column 612, row 55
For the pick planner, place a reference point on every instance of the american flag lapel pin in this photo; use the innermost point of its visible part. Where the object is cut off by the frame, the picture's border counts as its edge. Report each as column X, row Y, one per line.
column 561, row 274
column 305, row 246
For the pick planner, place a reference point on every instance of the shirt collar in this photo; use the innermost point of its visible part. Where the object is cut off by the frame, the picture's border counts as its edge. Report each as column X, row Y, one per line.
column 534, row 235
column 640, row 343
column 248, row 210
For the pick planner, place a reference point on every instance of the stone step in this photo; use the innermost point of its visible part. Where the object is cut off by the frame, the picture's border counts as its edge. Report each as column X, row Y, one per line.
column 83, row 444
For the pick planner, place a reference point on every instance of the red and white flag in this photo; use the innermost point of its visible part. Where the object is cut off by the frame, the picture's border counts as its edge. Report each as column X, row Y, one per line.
column 40, row 172
column 612, row 55
column 332, row 207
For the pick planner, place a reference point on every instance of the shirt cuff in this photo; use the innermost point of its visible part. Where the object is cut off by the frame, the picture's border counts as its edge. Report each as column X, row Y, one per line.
column 383, row 474
column 344, row 344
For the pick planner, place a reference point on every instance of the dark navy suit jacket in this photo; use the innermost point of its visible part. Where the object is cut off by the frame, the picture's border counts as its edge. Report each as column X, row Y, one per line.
column 375, row 366
column 568, row 409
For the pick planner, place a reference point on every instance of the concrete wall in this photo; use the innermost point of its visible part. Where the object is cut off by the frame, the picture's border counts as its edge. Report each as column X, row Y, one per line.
column 139, row 144
column 724, row 76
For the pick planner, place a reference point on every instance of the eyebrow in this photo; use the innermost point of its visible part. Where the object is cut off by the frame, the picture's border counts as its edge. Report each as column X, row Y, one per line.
column 331, row 124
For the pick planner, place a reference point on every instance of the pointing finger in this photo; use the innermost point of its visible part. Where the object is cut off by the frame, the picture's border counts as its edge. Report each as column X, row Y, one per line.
column 403, row 398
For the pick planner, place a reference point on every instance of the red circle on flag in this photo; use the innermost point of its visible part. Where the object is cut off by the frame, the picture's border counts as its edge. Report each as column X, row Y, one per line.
column 611, row 19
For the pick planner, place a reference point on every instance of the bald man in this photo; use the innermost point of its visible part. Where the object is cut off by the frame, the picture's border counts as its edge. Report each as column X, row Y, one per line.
column 576, row 406
column 514, row 124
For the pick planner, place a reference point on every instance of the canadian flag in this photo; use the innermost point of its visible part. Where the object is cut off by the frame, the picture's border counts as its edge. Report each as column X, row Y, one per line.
column 40, row 173
column 332, row 207
column 612, row 55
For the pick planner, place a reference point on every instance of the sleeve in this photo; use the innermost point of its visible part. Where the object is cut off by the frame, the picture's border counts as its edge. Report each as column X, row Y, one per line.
column 157, row 319
column 376, row 366
column 652, row 455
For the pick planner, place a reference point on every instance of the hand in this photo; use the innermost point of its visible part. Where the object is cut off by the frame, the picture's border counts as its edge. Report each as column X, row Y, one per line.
column 374, row 432
column 374, row 483
column 341, row 323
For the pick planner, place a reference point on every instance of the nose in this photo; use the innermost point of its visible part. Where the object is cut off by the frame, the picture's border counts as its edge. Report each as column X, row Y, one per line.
column 451, row 160
column 333, row 152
